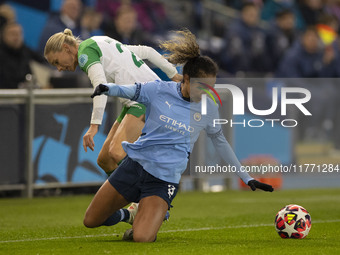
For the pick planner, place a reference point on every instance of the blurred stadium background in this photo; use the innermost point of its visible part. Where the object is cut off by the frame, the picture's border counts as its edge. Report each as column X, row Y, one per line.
column 44, row 114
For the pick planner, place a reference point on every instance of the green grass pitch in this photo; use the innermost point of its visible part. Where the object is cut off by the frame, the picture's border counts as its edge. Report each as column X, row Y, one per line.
column 232, row 222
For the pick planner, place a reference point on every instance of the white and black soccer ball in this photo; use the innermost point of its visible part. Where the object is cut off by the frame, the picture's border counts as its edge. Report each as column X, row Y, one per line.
column 293, row 221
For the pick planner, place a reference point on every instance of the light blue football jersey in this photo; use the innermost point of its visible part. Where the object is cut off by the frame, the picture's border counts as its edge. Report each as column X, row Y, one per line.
column 172, row 126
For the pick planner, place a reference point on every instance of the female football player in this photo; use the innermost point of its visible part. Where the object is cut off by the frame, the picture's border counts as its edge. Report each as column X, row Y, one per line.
column 151, row 171
column 106, row 60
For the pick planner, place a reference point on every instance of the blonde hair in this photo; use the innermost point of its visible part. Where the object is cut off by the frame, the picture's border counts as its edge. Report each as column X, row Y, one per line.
column 56, row 41
column 182, row 47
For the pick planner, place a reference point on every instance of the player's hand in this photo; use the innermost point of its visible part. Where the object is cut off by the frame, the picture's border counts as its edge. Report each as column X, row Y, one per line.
column 88, row 137
column 99, row 90
column 177, row 78
column 253, row 184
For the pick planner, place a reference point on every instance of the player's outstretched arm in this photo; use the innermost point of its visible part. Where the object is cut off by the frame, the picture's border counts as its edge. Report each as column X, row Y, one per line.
column 226, row 152
column 111, row 89
column 149, row 53
column 97, row 76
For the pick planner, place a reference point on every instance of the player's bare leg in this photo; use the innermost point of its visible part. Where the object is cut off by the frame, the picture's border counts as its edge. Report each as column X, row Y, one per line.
column 112, row 151
column 129, row 130
column 104, row 160
column 106, row 202
column 149, row 218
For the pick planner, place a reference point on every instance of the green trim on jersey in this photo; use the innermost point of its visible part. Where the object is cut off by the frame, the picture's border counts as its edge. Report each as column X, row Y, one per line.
column 89, row 54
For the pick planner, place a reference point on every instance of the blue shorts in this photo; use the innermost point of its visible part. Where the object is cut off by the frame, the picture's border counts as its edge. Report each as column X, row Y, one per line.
column 134, row 183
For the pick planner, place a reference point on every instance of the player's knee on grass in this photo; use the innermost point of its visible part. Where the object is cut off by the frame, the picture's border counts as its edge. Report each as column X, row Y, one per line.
column 87, row 223
column 90, row 222
column 141, row 237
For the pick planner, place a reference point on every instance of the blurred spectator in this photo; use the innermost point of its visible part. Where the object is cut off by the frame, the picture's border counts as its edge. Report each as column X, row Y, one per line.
column 15, row 57
column 335, row 72
column 327, row 28
column 90, row 23
column 272, row 7
column 67, row 18
column 235, row 4
column 151, row 14
column 124, row 26
column 306, row 58
column 329, row 20
column 109, row 7
column 245, row 39
column 310, row 11
column 7, row 14
column 281, row 37
column 238, row 4
column 332, row 7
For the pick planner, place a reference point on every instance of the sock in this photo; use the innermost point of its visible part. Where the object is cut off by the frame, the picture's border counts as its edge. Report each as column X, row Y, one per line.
column 125, row 215
column 118, row 216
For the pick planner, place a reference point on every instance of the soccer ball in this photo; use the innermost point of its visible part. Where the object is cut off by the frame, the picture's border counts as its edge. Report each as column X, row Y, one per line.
column 293, row 221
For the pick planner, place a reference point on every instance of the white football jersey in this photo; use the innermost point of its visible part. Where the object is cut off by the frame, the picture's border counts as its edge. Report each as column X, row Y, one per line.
column 106, row 60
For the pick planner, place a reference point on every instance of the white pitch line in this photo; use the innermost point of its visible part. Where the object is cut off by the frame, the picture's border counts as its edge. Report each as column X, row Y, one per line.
column 165, row 231
column 234, row 227
column 56, row 238
column 216, row 228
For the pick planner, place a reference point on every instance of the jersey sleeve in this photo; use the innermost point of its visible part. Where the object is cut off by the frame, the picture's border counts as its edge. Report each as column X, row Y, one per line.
column 212, row 113
column 97, row 76
column 146, row 52
column 125, row 91
column 88, row 54
column 139, row 92
column 146, row 91
column 223, row 148
column 225, row 151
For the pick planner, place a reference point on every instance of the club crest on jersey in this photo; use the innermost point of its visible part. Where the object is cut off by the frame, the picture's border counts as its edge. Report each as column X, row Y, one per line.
column 197, row 116
column 82, row 60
